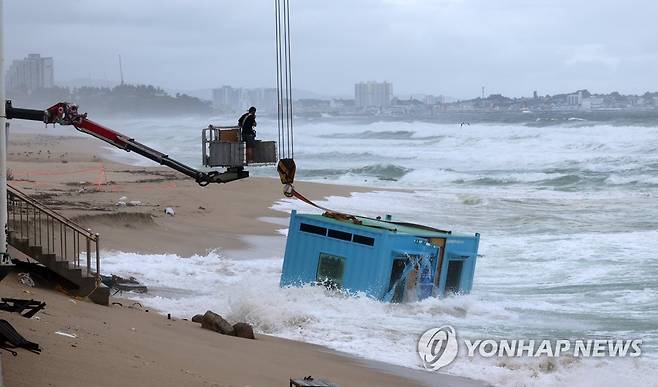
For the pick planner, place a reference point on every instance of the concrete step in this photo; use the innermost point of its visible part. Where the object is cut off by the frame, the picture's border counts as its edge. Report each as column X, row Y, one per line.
column 87, row 273
column 35, row 250
column 21, row 241
column 21, row 245
column 84, row 272
column 47, row 259
column 79, row 276
column 62, row 268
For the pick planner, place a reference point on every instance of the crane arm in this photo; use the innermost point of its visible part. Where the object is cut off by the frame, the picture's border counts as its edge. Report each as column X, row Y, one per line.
column 64, row 113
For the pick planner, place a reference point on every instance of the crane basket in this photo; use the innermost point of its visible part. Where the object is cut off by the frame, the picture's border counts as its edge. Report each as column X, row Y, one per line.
column 222, row 146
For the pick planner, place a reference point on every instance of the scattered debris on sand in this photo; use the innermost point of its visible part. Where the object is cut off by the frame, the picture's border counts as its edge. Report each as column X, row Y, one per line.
column 120, row 284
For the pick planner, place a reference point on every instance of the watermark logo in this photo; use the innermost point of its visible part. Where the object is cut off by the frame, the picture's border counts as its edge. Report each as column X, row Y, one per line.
column 438, row 347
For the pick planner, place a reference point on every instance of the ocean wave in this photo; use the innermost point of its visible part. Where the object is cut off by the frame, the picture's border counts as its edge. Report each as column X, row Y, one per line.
column 248, row 290
column 336, row 155
column 381, row 135
column 555, row 179
column 504, row 178
column 633, row 180
column 562, row 181
column 488, row 181
column 471, row 200
column 370, row 134
column 389, row 172
column 552, row 179
column 347, row 156
column 523, row 137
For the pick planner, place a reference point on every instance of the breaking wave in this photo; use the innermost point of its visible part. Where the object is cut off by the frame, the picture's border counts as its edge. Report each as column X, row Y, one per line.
column 248, row 290
column 381, row 135
column 373, row 135
column 390, row 172
column 352, row 157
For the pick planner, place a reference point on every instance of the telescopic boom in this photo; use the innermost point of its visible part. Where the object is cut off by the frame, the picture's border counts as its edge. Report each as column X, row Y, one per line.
column 65, row 113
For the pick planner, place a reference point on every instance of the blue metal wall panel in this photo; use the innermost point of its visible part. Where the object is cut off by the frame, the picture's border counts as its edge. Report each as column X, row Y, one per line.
column 367, row 268
column 303, row 251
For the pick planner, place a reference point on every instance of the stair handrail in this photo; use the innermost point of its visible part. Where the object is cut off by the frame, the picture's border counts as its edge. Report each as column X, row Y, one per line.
column 45, row 236
column 35, row 203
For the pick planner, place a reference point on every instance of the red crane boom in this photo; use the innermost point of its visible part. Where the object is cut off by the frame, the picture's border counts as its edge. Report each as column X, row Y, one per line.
column 65, row 113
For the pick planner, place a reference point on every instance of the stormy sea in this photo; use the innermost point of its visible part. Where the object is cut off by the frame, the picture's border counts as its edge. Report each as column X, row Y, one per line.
column 568, row 217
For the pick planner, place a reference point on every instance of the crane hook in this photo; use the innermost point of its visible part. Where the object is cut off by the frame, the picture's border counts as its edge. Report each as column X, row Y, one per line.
column 286, row 169
column 288, row 190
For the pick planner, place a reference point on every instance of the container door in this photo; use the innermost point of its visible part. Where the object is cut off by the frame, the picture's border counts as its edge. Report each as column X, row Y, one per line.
column 399, row 264
column 441, row 242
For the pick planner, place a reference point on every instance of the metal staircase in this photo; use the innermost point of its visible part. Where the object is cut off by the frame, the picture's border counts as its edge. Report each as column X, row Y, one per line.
column 61, row 245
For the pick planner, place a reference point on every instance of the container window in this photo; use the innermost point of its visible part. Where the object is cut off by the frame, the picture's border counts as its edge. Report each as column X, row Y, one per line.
column 364, row 240
column 346, row 236
column 312, row 229
column 330, row 271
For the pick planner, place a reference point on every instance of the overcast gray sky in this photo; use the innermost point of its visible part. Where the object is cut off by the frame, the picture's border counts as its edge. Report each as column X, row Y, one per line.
column 450, row 47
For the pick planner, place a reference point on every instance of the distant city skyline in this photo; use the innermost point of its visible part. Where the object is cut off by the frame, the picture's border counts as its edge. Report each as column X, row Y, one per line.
column 51, row 80
column 370, row 99
column 35, row 71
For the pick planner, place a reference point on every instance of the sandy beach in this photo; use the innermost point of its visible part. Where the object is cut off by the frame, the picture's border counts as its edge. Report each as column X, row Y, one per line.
column 126, row 204
column 123, row 345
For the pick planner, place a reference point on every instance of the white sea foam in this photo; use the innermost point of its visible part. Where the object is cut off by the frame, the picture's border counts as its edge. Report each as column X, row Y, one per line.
column 247, row 290
column 568, row 219
column 446, row 152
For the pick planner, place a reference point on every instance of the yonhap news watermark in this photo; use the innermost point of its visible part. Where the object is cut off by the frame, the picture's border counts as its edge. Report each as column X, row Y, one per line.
column 438, row 347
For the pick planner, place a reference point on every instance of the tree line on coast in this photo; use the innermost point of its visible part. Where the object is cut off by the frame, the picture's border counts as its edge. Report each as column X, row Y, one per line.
column 118, row 100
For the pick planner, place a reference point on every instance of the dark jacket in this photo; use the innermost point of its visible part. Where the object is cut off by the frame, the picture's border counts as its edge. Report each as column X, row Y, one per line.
column 247, row 123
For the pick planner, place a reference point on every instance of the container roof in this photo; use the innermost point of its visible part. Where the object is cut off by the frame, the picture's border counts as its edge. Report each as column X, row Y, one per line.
column 375, row 225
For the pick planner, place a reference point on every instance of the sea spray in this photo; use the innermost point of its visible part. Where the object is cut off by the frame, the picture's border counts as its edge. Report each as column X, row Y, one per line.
column 568, row 219
column 247, row 290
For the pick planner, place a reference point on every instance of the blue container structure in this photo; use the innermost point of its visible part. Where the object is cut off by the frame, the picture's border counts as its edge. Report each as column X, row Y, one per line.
column 386, row 260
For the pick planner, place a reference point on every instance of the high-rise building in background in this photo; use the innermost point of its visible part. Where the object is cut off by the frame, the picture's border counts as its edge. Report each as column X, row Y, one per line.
column 31, row 73
column 377, row 94
column 228, row 98
column 434, row 99
column 575, row 99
